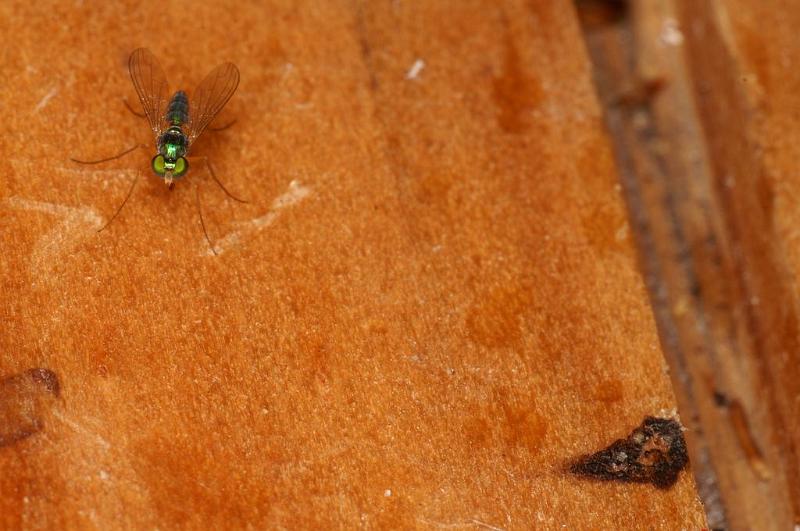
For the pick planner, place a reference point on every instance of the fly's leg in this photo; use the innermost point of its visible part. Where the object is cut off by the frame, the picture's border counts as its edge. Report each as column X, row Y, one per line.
column 133, row 184
column 109, row 158
column 197, row 198
column 202, row 222
column 128, row 105
column 223, row 127
column 214, row 176
column 130, row 191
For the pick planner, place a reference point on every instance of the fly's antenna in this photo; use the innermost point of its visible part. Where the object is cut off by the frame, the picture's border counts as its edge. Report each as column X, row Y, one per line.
column 202, row 222
column 109, row 158
column 133, row 185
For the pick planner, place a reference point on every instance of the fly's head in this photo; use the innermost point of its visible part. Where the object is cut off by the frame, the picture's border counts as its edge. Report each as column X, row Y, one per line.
column 170, row 163
column 169, row 170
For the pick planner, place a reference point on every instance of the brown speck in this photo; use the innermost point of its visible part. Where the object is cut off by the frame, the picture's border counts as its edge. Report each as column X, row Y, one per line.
column 642, row 92
column 721, row 399
column 23, row 399
column 47, row 378
column 600, row 14
column 655, row 452
column 494, row 320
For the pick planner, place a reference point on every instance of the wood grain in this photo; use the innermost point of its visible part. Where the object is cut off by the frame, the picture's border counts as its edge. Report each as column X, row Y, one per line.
column 748, row 102
column 429, row 305
column 697, row 104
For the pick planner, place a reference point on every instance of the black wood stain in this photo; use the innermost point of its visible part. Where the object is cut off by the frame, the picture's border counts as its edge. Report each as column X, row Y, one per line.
column 655, row 452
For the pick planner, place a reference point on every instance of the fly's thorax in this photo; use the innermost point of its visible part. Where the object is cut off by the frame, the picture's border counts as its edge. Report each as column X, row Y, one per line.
column 173, row 143
column 170, row 163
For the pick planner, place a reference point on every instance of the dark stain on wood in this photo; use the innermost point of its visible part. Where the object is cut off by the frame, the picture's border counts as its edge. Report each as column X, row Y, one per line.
column 747, row 440
column 22, row 403
column 655, row 452
column 516, row 93
column 640, row 92
column 495, row 320
column 599, row 14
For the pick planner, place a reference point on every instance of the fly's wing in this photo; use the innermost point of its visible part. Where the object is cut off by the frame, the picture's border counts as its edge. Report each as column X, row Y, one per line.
column 210, row 97
column 151, row 86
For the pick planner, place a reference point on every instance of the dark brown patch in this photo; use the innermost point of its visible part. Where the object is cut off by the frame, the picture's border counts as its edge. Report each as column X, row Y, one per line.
column 516, row 93
column 478, row 432
column 766, row 196
column 599, row 14
column 21, row 403
column 520, row 425
column 609, row 392
column 523, row 428
column 641, row 92
column 721, row 399
column 433, row 188
column 46, row 378
column 495, row 321
column 655, row 452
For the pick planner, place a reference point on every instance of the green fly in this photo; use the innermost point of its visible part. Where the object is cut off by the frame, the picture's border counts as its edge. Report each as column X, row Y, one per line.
column 176, row 121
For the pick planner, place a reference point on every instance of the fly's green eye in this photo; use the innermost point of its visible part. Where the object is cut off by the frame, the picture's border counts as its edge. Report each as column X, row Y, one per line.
column 158, row 164
column 181, row 165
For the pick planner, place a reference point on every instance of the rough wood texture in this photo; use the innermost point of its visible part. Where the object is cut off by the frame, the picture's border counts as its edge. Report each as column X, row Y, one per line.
column 701, row 110
column 429, row 306
column 749, row 104
column 643, row 82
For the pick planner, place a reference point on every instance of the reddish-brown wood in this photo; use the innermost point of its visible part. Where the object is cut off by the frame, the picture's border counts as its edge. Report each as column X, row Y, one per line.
column 429, row 306
column 700, row 102
column 748, row 102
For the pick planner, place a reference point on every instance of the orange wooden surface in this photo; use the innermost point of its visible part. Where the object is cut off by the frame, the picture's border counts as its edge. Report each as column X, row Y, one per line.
column 429, row 305
column 749, row 103
column 701, row 101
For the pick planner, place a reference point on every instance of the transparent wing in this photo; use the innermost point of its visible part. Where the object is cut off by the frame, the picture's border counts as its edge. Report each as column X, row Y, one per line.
column 151, row 86
column 210, row 97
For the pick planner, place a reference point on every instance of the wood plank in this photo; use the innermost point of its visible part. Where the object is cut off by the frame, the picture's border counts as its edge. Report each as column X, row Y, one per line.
column 747, row 102
column 685, row 104
column 428, row 307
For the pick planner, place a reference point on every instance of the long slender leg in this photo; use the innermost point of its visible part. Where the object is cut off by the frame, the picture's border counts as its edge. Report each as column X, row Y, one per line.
column 133, row 185
column 139, row 114
column 108, row 158
column 202, row 222
column 214, row 176
column 222, row 127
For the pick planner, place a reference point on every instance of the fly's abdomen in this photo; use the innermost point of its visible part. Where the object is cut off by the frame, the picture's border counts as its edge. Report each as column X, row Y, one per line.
column 178, row 109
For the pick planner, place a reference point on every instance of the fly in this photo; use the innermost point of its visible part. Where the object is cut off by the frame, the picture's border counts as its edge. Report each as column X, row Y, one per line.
column 176, row 121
